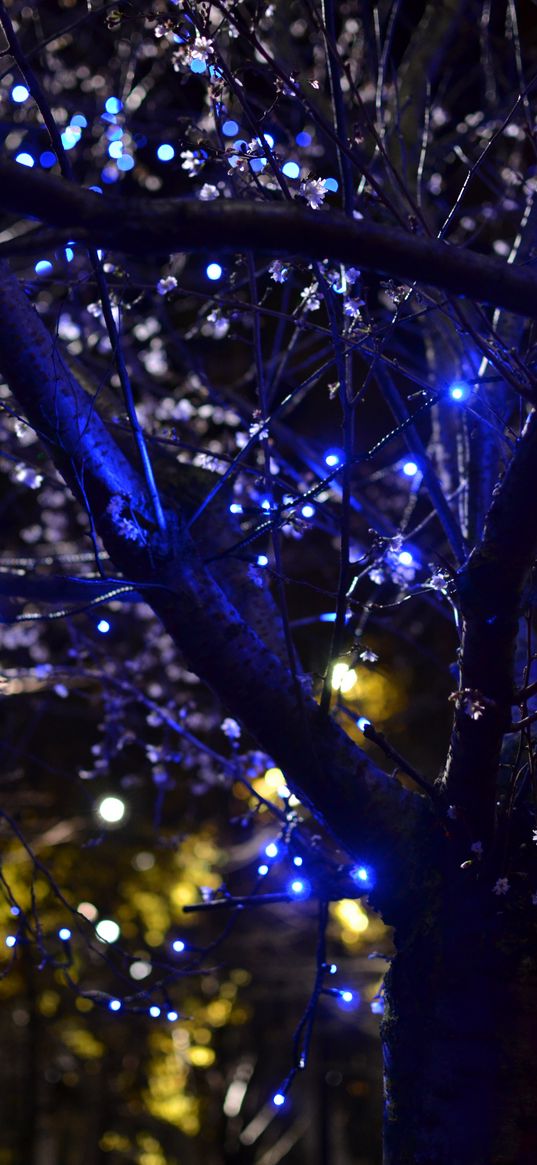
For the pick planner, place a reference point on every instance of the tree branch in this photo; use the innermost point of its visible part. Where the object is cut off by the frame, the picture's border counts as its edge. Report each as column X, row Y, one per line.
column 163, row 226
column 490, row 587
column 370, row 813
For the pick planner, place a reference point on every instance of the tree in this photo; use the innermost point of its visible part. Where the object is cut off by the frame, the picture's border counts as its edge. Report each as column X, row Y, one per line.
column 288, row 378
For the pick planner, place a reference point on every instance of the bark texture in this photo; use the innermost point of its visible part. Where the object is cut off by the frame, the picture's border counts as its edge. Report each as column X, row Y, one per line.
column 460, row 1035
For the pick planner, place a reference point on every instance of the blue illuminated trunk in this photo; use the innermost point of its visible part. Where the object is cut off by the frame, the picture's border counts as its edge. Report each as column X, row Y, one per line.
column 460, row 1038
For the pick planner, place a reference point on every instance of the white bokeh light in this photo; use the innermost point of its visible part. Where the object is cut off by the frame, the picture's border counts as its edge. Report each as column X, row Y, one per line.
column 107, row 930
column 111, row 810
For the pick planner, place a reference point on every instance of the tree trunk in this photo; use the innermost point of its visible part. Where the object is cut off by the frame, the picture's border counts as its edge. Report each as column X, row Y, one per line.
column 460, row 1034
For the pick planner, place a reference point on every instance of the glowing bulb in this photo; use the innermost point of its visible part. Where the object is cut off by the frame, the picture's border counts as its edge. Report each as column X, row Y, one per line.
column 262, row 870
column 172, row 1016
column 459, row 391
column 405, row 558
column 308, row 511
column 113, row 105
column 262, row 560
column 154, row 1011
column 346, row 996
column 140, row 969
column 19, row 93
column 362, row 723
column 298, row 887
column 235, row 508
column 24, row 159
column 298, row 861
column 410, row 468
column 333, row 457
column 111, row 809
column 64, row 934
column 107, row 930
column 278, row 1099
column 114, row 1005
column 213, row 271
column 230, row 128
column 11, row 940
column 103, row 626
column 343, row 677
column 271, row 850
column 178, row 946
column 360, row 874
column 291, row 170
column 43, row 266
column 165, row 152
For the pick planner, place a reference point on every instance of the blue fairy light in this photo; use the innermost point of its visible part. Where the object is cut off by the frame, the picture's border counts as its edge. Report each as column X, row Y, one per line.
column 410, row 468
column 331, row 184
column 235, row 508
column 298, row 861
column 459, row 391
column 109, row 174
column 103, row 626
column 291, row 170
column 308, row 511
column 14, row 910
column 171, row 1016
column 19, row 93
column 115, row 149
column 178, row 946
column 299, row 888
column 346, row 996
column 70, row 137
column 115, row 1005
column 405, row 558
column 113, row 105
column 47, row 159
column 362, row 723
column 165, row 152
column 11, row 940
column 278, row 1099
column 303, row 138
column 361, row 875
column 198, row 65
column 125, row 162
column 333, row 457
column 271, row 850
column 263, row 869
column 262, row 560
column 79, row 120
column 43, row 266
column 24, row 159
column 332, row 970
column 213, row 271
column 230, row 128
column 377, row 1006
column 64, row 934
column 154, row 1011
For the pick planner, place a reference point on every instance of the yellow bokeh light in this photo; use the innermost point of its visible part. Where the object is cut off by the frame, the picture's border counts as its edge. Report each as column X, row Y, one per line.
column 201, row 1057
column 344, row 677
column 351, row 916
column 274, row 779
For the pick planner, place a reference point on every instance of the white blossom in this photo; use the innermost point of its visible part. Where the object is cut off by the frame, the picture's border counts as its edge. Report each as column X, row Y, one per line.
column 314, row 191
column 169, row 283
column 278, row 271
column 208, row 192
column 231, row 729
